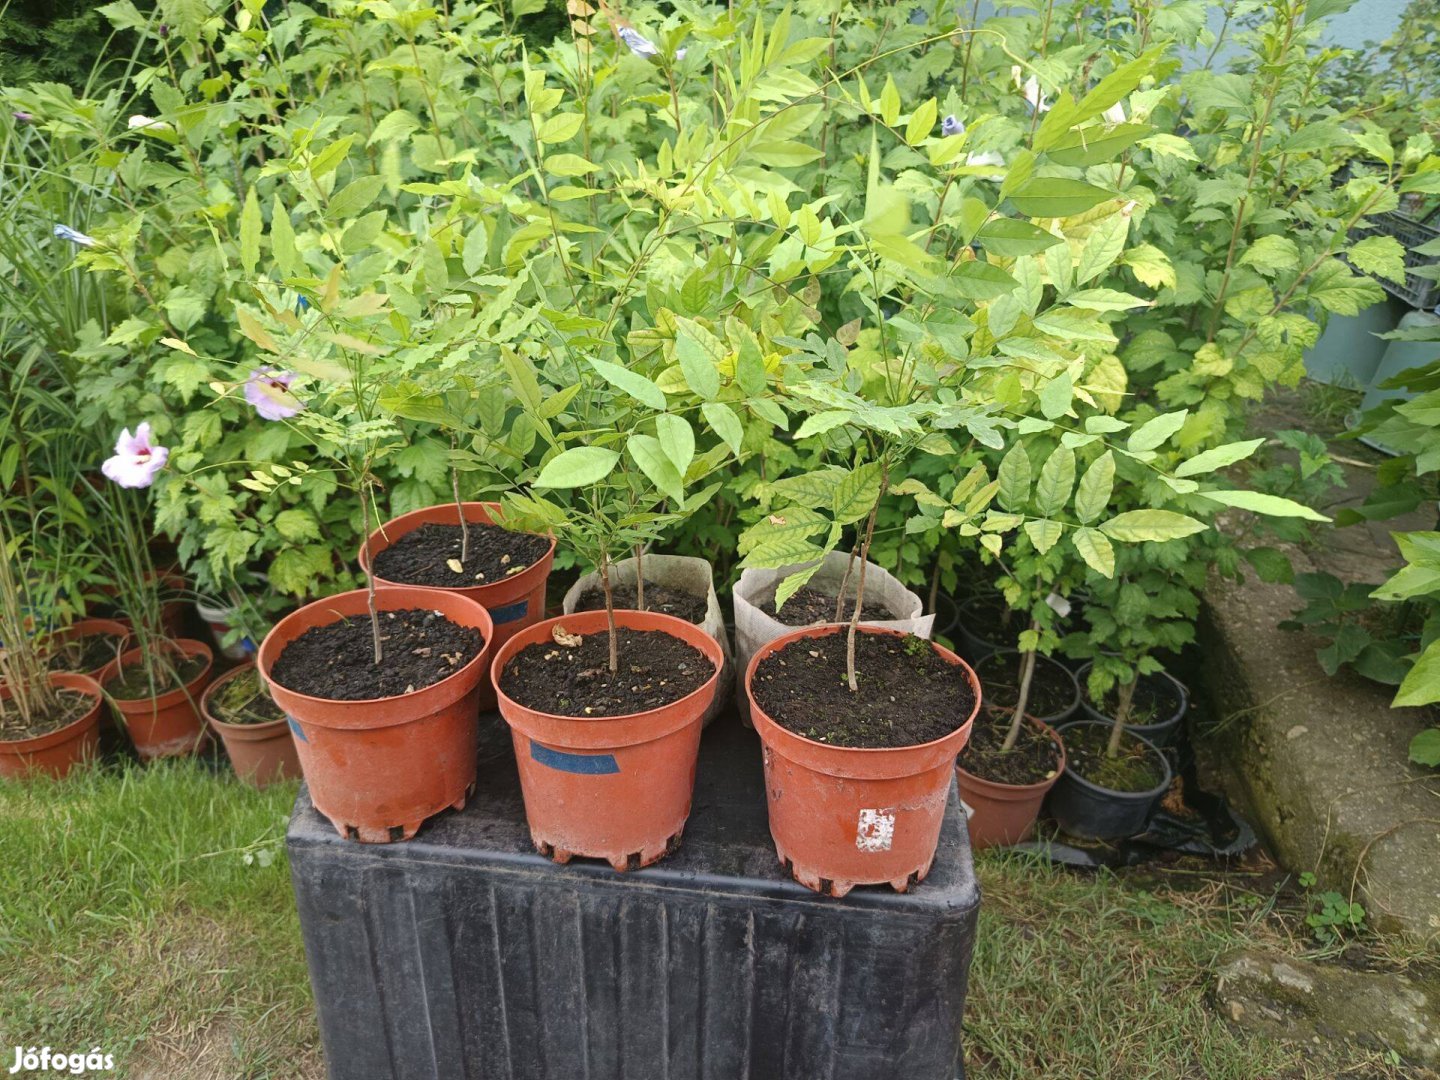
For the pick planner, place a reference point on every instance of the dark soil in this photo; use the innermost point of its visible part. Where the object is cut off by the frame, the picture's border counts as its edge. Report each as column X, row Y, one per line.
column 72, row 705
column 655, row 669
column 1155, row 701
column 659, row 598
column 88, row 653
column 1133, row 768
column 133, row 682
column 1052, row 689
column 243, row 700
column 423, row 557
column 337, row 661
column 1033, row 758
column 907, row 693
column 809, row 606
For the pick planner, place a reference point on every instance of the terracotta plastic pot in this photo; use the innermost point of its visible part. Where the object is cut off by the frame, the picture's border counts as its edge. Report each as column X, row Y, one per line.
column 83, row 628
column 609, row 787
column 1088, row 810
column 168, row 725
column 59, row 751
column 378, row 768
column 841, row 816
column 260, row 754
column 1162, row 731
column 1003, row 814
column 514, row 602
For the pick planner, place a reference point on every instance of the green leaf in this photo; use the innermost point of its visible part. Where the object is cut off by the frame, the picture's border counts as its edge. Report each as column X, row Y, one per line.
column 282, row 240
column 1137, row 526
column 922, row 123
column 296, row 524
column 654, row 463
column 1422, row 685
column 394, row 126
column 855, row 493
column 560, row 127
column 1271, row 564
column 677, row 439
column 354, row 197
column 813, row 489
column 725, row 423
column 699, row 353
column 1044, row 534
column 569, row 165
column 1093, row 494
column 1010, row 238
column 1057, row 196
column 1425, row 747
column 577, row 467
column 636, row 385
column 981, row 281
column 823, row 421
column 1272, row 254
column 250, row 229
column 522, row 378
column 1095, row 550
column 1014, row 477
column 1155, row 431
column 1259, row 503
column 1057, row 477
column 1056, row 395
column 328, row 160
column 1380, row 256
column 1218, row 457
column 1093, row 145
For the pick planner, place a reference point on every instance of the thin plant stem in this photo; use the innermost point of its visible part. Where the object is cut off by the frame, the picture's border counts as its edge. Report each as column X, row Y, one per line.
column 845, row 582
column 860, row 592
column 1022, row 702
column 459, row 509
column 370, row 574
column 640, row 577
column 1122, row 716
column 609, row 610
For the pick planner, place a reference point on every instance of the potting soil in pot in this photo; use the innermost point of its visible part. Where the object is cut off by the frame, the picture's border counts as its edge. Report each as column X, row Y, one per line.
column 429, row 555
column 570, row 675
column 242, row 700
column 1052, row 691
column 1154, row 702
column 1133, row 768
column 659, row 598
column 908, row 694
column 88, row 653
column 1033, row 758
column 337, row 661
column 133, row 682
column 71, row 705
column 809, row 606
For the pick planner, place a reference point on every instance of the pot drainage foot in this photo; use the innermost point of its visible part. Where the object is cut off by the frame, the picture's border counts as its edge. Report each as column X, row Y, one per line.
column 378, row 834
column 551, row 852
column 907, row 883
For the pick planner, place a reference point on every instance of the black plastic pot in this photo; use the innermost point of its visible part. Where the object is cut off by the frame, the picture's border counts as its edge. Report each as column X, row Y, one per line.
column 1160, row 734
column 946, row 616
column 972, row 629
column 1057, row 671
column 1087, row 810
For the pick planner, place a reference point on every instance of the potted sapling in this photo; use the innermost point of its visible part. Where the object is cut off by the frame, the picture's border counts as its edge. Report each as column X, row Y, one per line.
column 155, row 683
column 606, row 706
column 49, row 720
column 381, row 684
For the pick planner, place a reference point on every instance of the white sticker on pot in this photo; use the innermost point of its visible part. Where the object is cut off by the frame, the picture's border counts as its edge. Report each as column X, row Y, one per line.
column 1059, row 605
column 876, row 830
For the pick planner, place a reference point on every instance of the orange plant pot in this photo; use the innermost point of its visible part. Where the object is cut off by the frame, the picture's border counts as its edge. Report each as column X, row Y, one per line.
column 1004, row 814
column 83, row 628
column 609, row 787
column 513, row 603
column 59, row 751
column 841, row 816
column 169, row 724
column 377, row 768
column 260, row 754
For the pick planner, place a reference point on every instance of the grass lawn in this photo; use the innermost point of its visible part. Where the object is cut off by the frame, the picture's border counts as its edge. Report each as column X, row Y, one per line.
column 131, row 919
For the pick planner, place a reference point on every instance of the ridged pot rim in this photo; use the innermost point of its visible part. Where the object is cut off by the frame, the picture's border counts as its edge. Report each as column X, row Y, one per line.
column 1001, row 791
column 1070, row 675
column 268, row 729
column 188, row 647
column 69, row 680
column 1092, row 713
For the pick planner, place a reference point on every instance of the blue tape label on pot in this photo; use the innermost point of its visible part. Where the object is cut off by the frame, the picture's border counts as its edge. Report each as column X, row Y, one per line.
column 510, row 612
column 583, row 764
column 875, row 830
column 294, row 727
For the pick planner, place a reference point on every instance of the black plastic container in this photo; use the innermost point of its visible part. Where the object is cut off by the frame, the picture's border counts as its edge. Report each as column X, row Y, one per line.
column 463, row 953
column 1160, row 734
column 976, row 634
column 1092, row 812
column 1056, row 671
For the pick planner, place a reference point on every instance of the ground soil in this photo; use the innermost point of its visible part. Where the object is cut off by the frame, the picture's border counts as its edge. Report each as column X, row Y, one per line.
column 84, row 654
column 655, row 670
column 908, row 694
column 337, row 661
column 1052, row 690
column 71, row 705
column 133, row 682
column 810, row 606
column 243, row 700
column 423, row 557
column 1133, row 768
column 1033, row 758
column 1155, row 701
column 659, row 598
